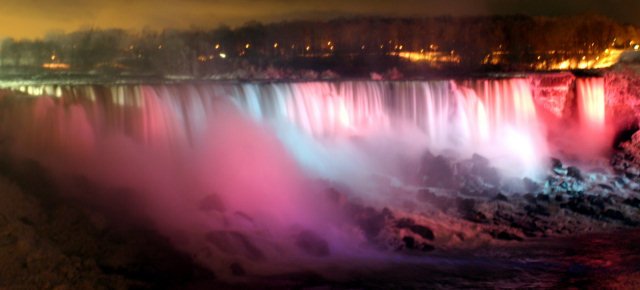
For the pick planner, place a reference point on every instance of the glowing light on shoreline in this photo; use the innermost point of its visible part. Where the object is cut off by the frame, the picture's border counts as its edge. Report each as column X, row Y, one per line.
column 60, row 66
column 563, row 60
column 430, row 57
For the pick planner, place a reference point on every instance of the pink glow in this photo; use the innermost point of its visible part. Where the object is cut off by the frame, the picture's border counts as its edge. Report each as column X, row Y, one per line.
column 249, row 151
column 591, row 102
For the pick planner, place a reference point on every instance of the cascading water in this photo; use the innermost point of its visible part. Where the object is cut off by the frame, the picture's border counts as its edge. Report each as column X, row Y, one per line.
column 506, row 117
column 226, row 169
column 441, row 115
column 591, row 107
column 591, row 103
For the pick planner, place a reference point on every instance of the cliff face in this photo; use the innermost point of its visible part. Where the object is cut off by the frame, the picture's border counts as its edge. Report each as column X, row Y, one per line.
column 623, row 96
column 554, row 93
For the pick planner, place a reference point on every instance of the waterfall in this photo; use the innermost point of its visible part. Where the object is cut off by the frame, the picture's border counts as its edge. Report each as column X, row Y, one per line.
column 253, row 149
column 591, row 103
column 489, row 117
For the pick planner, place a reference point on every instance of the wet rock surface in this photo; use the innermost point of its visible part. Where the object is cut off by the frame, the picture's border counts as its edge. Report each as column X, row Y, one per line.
column 470, row 204
column 568, row 201
column 48, row 243
column 391, row 233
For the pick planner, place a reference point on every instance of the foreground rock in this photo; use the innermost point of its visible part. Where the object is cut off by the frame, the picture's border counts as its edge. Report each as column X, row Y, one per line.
column 49, row 244
column 466, row 203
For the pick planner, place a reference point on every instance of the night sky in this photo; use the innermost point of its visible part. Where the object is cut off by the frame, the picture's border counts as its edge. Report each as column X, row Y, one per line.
column 35, row 18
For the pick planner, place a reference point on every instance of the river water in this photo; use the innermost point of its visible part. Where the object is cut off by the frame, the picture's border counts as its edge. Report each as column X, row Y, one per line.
column 591, row 261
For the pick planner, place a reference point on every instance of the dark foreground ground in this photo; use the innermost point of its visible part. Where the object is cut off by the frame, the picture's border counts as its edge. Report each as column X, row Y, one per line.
column 47, row 242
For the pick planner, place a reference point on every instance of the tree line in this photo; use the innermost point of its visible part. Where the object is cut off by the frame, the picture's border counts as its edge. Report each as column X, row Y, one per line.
column 283, row 44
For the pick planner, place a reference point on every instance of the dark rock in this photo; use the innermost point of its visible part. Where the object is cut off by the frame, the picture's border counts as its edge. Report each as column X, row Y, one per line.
column 556, row 163
column 531, row 229
column 564, row 186
column 537, row 209
column 632, row 172
column 466, row 205
column 312, row 244
column 506, row 236
column 404, row 223
column 422, row 231
column 437, row 171
column 427, row 247
column 237, row 269
column 605, row 186
column 529, row 197
column 620, row 182
column 574, row 172
column 614, row 214
column 466, row 208
column 615, row 199
column 369, row 220
column 580, row 205
column 635, row 202
column 386, row 212
column 411, row 244
column 503, row 218
column 543, row 197
column 596, row 201
column 501, row 197
column 559, row 198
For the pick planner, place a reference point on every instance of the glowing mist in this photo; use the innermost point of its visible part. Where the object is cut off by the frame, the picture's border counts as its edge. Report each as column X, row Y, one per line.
column 227, row 170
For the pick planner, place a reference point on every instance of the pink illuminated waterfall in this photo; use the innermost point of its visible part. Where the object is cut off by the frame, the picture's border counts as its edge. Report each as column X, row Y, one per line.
column 448, row 115
column 506, row 121
column 591, row 102
column 496, row 118
column 252, row 150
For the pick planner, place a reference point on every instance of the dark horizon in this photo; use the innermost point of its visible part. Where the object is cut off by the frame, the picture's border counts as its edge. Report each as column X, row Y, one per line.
column 345, row 47
column 35, row 20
